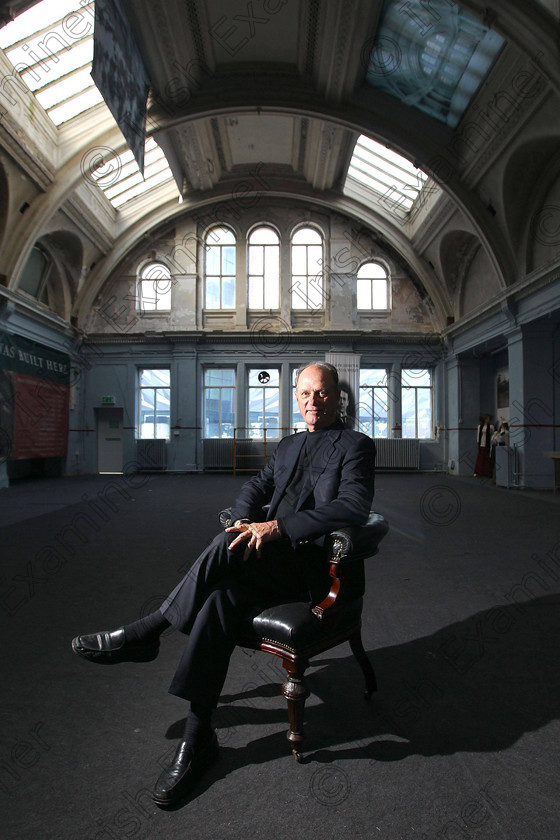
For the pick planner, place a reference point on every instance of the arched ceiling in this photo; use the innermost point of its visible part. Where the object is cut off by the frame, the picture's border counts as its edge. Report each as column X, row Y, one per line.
column 272, row 95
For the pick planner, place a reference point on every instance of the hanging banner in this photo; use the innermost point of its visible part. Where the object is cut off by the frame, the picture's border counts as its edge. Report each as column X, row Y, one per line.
column 120, row 75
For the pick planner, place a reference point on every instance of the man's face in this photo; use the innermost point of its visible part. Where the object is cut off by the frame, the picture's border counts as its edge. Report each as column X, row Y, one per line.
column 317, row 398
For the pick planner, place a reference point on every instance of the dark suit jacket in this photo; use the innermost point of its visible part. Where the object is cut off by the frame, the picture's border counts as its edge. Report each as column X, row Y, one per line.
column 340, row 475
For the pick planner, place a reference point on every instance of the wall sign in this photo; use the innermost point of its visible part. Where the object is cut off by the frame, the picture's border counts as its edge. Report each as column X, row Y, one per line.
column 34, row 391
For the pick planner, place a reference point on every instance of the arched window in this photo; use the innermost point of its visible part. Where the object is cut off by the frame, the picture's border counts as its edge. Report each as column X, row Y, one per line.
column 219, row 244
column 372, row 287
column 264, row 269
column 154, row 288
column 307, row 270
column 36, row 273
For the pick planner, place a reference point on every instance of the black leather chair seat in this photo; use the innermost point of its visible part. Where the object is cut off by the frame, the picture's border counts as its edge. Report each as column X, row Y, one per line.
column 294, row 628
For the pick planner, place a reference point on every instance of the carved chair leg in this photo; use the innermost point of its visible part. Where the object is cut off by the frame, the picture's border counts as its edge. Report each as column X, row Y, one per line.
column 367, row 670
column 296, row 693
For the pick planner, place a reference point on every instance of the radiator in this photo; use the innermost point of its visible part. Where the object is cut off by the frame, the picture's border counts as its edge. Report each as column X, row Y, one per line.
column 250, row 455
column 398, row 453
column 151, row 454
column 392, row 453
column 217, row 453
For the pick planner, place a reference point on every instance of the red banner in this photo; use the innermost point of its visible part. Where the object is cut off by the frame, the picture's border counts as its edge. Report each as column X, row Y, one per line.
column 40, row 418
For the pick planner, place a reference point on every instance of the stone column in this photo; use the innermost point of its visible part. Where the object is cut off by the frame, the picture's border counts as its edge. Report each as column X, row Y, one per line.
column 394, row 400
column 531, row 408
column 184, row 446
column 463, row 412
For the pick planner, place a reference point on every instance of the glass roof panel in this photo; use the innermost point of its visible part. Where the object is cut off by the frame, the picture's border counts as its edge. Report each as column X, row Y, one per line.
column 79, row 56
column 47, row 44
column 391, row 178
column 40, row 18
column 432, row 56
column 76, row 105
column 119, row 176
column 51, row 45
column 66, row 87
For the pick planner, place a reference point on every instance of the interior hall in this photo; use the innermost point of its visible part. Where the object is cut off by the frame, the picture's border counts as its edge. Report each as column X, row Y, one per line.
column 198, row 197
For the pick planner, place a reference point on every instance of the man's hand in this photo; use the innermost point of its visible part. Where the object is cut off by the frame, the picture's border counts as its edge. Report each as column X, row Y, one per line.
column 255, row 534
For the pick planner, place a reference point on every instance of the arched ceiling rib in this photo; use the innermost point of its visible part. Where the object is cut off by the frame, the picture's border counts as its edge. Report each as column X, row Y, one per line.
column 285, row 97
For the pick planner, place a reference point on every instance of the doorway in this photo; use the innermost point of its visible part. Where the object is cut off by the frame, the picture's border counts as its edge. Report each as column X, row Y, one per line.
column 109, row 440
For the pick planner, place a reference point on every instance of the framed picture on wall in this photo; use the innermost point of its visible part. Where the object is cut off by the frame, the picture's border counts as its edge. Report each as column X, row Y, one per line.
column 502, row 394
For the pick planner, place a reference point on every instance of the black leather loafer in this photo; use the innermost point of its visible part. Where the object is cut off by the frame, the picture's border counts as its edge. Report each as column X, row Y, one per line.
column 109, row 647
column 184, row 772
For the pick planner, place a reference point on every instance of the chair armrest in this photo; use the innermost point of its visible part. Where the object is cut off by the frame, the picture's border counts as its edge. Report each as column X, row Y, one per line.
column 358, row 542
column 342, row 547
column 353, row 543
column 225, row 517
column 345, row 546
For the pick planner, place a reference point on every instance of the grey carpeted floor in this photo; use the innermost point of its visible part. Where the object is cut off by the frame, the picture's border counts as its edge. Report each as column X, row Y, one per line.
column 461, row 741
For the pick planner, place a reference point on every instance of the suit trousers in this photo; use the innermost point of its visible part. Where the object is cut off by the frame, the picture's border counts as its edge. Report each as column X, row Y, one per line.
column 213, row 599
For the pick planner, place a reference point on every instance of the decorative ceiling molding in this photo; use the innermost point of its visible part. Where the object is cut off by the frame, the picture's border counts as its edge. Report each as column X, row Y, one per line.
column 26, row 154
column 197, row 155
column 331, row 76
column 302, row 146
column 87, row 213
column 218, row 143
column 328, row 146
column 309, row 38
column 199, row 42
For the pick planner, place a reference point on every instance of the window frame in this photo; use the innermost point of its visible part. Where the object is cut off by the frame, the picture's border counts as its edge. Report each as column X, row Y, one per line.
column 206, row 369
column 249, row 387
column 371, row 309
column 220, row 277
column 140, row 389
column 262, row 278
column 417, row 388
column 140, row 280
column 372, row 389
column 308, row 277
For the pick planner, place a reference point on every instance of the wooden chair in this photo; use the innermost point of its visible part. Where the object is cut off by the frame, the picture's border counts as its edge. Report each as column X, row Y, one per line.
column 296, row 631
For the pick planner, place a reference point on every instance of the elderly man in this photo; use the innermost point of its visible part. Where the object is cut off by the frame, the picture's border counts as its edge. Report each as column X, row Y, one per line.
column 315, row 482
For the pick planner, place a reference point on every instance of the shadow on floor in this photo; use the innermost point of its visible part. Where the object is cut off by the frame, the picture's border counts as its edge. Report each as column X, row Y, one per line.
column 476, row 685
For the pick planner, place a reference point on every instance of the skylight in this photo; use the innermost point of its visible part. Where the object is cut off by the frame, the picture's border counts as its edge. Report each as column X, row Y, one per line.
column 51, row 46
column 119, row 176
column 391, row 180
column 433, row 56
